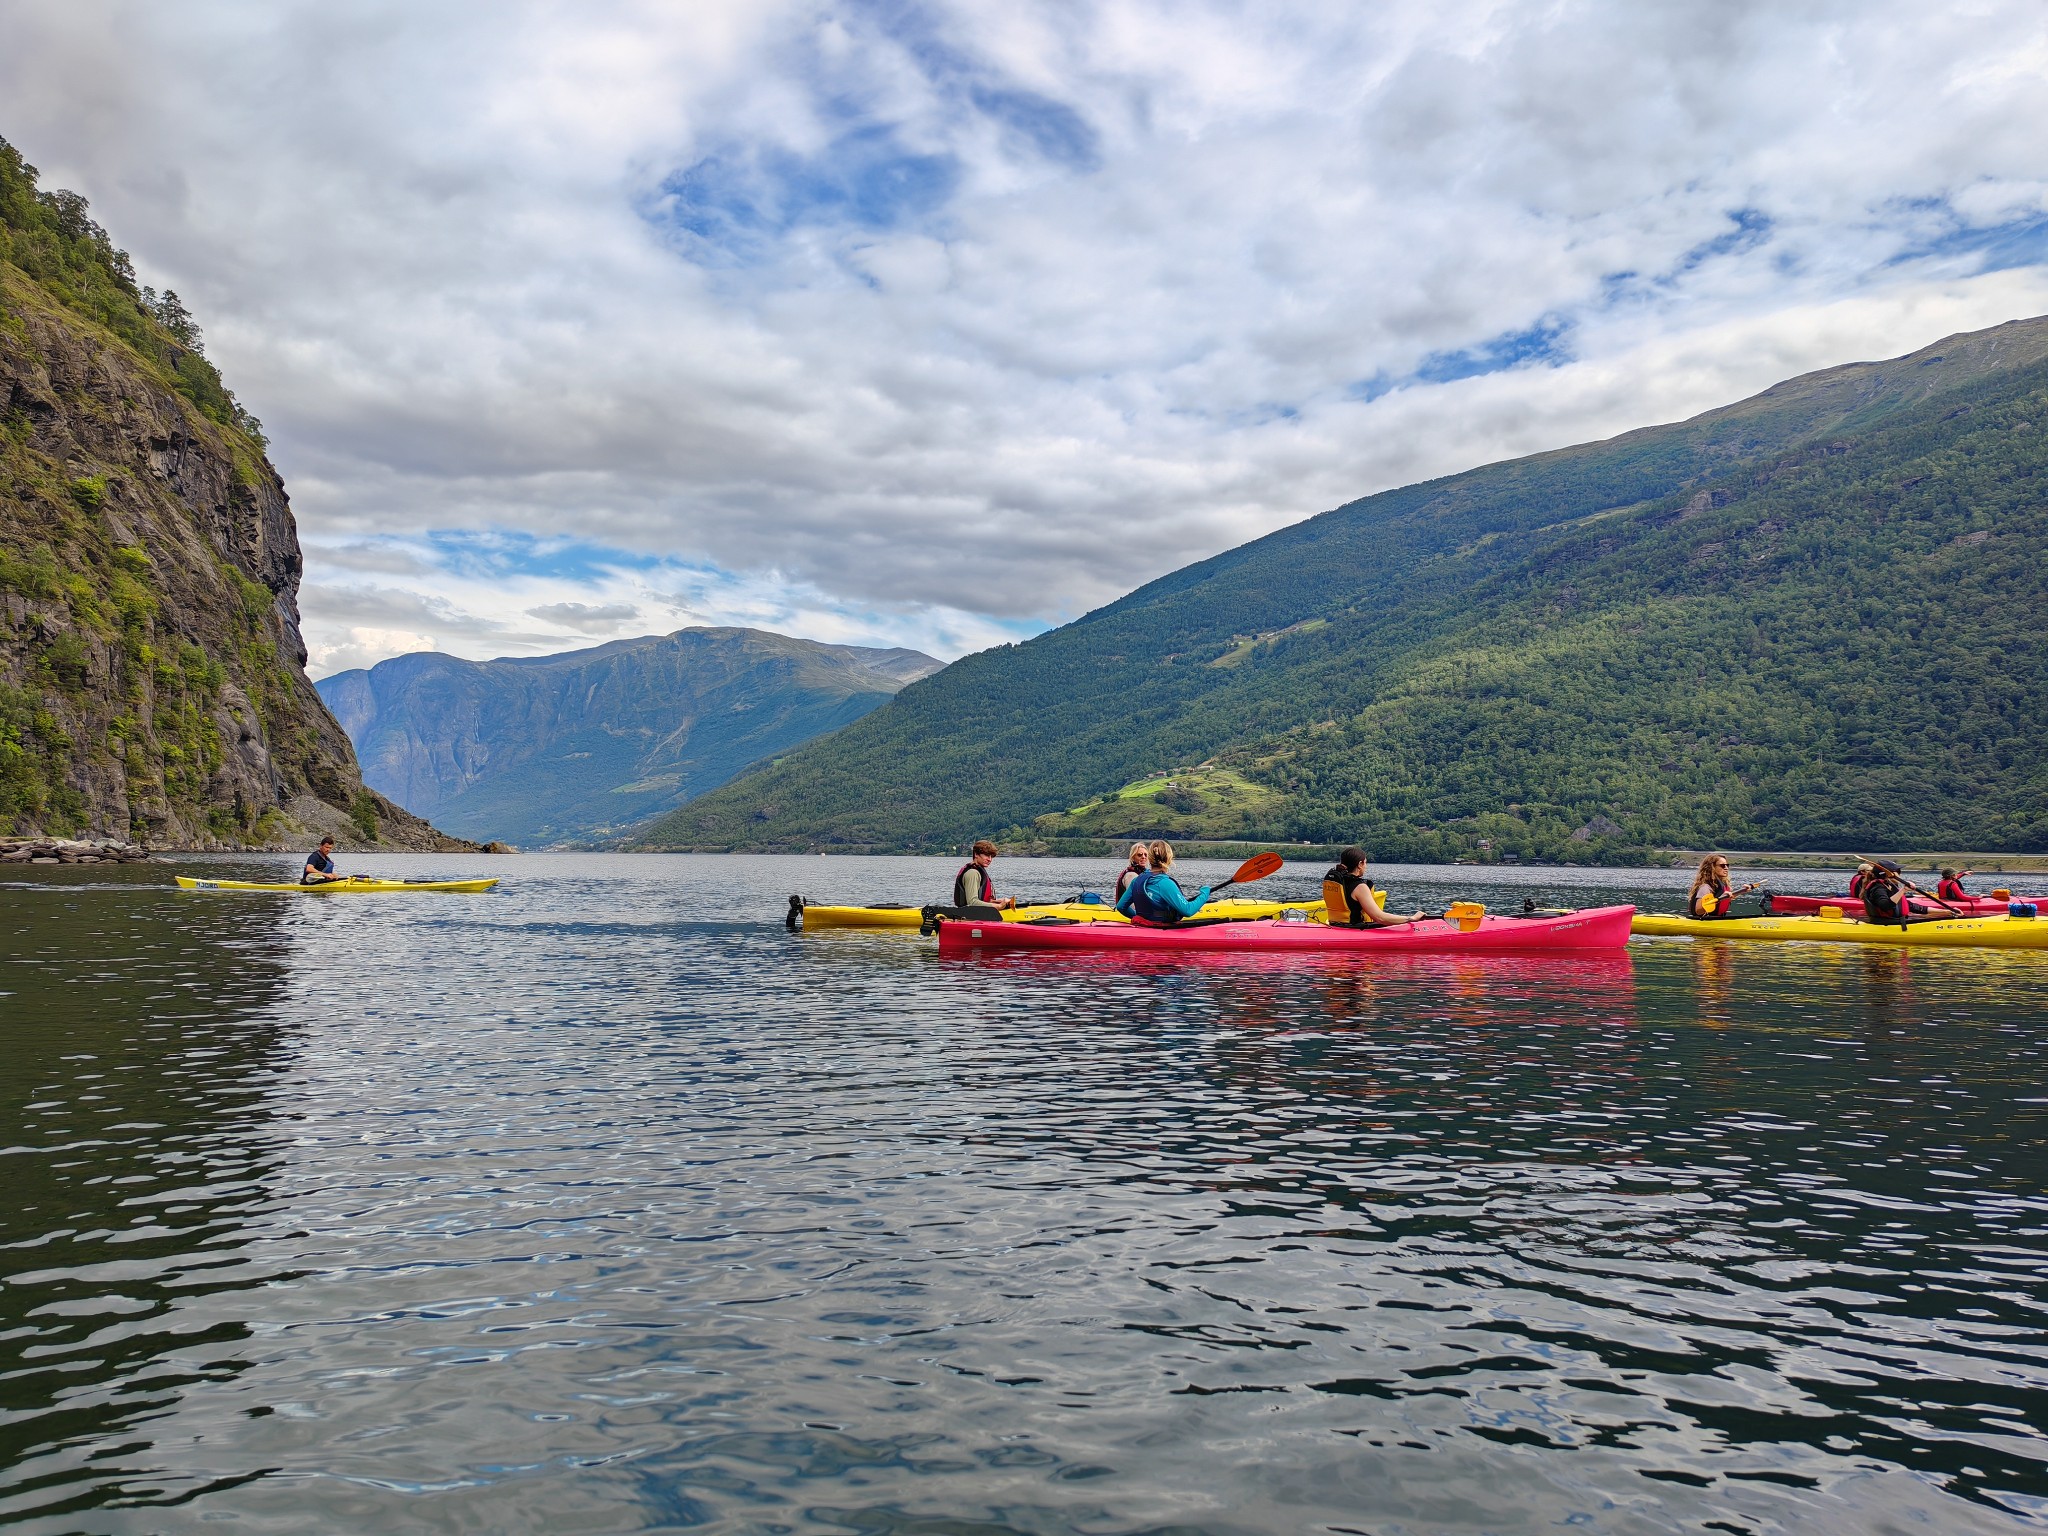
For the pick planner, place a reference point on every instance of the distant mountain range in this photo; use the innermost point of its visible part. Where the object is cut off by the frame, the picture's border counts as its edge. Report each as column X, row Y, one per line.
column 1812, row 619
column 580, row 746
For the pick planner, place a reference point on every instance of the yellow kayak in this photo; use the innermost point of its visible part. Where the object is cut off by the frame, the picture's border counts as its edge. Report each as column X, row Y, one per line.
column 1996, row 932
column 357, row 884
column 1076, row 911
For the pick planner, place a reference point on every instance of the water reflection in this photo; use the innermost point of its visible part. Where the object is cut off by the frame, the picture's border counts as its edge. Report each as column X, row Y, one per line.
column 137, row 1137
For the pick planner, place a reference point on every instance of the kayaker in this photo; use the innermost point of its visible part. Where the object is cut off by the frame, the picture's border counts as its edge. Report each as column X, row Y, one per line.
column 1155, row 897
column 972, row 886
column 1710, row 895
column 320, row 865
column 1348, row 899
column 1951, row 887
column 1858, row 880
column 1140, row 863
column 1885, row 896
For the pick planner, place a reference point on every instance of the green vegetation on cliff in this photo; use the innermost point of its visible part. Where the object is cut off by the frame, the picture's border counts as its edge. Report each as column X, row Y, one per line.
column 1812, row 619
column 151, row 671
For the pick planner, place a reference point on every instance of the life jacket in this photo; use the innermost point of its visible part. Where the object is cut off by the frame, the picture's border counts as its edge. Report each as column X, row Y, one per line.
column 987, row 898
column 1857, row 882
column 1144, row 908
column 1883, row 903
column 1952, row 890
column 1129, row 874
column 1720, row 904
column 1340, row 905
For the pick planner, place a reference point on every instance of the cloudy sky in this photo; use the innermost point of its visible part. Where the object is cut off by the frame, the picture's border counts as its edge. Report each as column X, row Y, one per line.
column 938, row 323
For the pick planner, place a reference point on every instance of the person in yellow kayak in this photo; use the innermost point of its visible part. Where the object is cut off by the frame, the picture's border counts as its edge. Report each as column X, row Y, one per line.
column 1711, row 894
column 972, row 886
column 1348, row 898
column 1140, row 863
column 1155, row 897
column 1885, row 899
column 319, row 868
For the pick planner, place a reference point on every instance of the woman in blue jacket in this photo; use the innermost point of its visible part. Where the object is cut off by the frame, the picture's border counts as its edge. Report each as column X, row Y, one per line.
column 1156, row 897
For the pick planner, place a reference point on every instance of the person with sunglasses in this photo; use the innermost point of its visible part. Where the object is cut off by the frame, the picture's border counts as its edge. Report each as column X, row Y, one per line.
column 1711, row 895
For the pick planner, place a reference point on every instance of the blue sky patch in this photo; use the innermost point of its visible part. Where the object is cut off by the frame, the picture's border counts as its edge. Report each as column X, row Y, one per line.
column 734, row 203
column 1542, row 343
column 1055, row 130
column 1752, row 227
column 501, row 555
column 2020, row 242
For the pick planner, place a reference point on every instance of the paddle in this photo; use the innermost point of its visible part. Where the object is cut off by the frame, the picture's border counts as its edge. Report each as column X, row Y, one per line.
column 1909, row 885
column 1257, row 867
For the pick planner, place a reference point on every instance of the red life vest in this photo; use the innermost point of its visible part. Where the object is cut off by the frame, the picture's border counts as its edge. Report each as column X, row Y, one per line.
column 1951, row 890
column 1721, row 904
column 1856, row 884
column 988, row 887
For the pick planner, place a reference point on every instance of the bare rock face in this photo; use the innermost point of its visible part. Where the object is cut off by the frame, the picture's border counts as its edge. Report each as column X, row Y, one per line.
column 152, row 682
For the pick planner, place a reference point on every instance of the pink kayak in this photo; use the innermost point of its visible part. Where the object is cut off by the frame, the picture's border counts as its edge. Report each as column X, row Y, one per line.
column 1970, row 906
column 1596, row 928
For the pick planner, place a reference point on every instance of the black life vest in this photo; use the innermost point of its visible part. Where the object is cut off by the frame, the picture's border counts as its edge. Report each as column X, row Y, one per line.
column 1340, row 896
column 1883, row 903
column 987, row 898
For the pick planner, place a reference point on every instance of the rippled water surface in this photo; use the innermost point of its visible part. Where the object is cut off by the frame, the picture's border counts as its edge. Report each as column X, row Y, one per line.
column 602, row 1203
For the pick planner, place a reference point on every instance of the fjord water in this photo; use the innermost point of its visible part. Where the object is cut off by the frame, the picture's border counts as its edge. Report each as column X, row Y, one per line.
column 602, row 1203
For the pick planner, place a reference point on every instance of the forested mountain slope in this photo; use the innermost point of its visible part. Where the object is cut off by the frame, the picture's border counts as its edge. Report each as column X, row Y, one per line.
column 1810, row 619
column 576, row 747
column 152, row 680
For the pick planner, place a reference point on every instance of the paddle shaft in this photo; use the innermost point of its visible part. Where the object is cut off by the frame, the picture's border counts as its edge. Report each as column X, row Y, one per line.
column 1909, row 885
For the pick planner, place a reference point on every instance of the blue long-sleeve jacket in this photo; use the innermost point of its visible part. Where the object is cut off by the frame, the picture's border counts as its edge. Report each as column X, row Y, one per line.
column 1157, row 898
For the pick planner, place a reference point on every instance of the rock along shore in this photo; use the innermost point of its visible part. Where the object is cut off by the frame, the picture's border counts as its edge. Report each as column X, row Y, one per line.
column 71, row 850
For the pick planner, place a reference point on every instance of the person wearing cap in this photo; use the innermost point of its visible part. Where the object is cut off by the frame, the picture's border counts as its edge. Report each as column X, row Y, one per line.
column 1951, row 887
column 1884, row 894
column 319, row 868
column 1857, row 880
column 972, row 886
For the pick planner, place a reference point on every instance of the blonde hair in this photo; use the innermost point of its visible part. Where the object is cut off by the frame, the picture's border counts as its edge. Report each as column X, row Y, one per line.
column 1144, row 848
column 1162, row 853
column 1703, row 876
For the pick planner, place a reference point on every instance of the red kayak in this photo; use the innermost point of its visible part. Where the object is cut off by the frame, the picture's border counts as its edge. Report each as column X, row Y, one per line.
column 1970, row 906
column 1597, row 928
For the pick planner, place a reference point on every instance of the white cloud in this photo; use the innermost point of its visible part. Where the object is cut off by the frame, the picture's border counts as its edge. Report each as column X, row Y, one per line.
column 520, row 597
column 928, row 324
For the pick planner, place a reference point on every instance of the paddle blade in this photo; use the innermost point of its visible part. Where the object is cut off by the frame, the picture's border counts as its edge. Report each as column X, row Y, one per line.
column 1257, row 867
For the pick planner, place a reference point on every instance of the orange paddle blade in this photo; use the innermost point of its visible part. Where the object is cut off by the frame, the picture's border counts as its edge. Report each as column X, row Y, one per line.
column 1257, row 867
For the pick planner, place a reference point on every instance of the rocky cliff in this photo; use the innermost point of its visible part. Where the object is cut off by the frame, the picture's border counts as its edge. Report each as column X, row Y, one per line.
column 580, row 746
column 152, row 680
